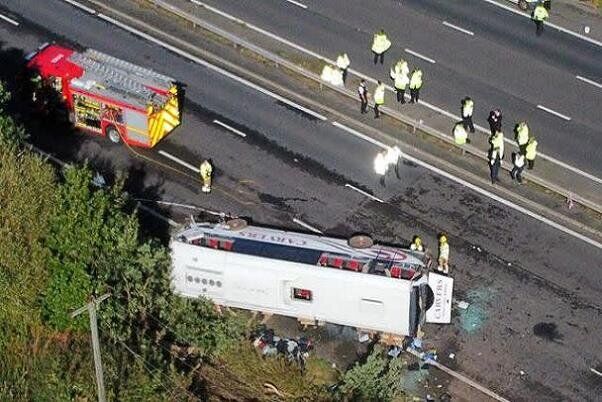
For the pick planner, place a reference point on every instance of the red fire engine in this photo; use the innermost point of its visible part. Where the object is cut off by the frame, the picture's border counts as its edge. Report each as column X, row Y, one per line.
column 109, row 96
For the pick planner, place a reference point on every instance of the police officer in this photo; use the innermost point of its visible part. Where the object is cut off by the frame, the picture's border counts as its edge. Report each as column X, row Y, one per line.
column 460, row 134
column 495, row 121
column 540, row 14
column 417, row 244
column 362, row 91
column 522, row 136
column 380, row 166
column 380, row 44
column 494, row 165
column 343, row 64
column 415, row 85
column 399, row 75
column 443, row 259
column 519, row 164
column 206, row 171
column 497, row 143
column 531, row 152
column 467, row 109
column 379, row 98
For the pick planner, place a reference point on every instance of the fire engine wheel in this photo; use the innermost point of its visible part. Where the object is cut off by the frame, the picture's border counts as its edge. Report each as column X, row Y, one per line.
column 523, row 5
column 113, row 134
column 361, row 241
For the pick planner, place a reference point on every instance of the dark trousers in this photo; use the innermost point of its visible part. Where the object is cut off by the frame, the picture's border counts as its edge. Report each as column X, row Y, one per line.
column 468, row 124
column 530, row 163
column 539, row 27
column 364, row 104
column 494, row 170
column 522, row 148
column 379, row 56
column 516, row 173
column 376, row 110
column 344, row 76
column 401, row 95
column 414, row 95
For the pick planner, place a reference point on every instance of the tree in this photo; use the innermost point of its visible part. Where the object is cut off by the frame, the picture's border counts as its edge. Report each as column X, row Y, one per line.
column 378, row 379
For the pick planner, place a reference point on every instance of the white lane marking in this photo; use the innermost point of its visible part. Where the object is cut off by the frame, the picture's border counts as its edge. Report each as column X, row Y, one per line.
column 296, row 3
column 593, row 370
column 180, row 161
column 558, row 27
column 210, row 66
column 9, row 20
column 364, row 193
column 81, row 6
column 457, row 28
column 555, row 113
column 484, row 192
column 408, row 157
column 420, row 56
column 227, row 127
column 360, row 135
column 594, row 83
column 372, row 80
column 306, row 226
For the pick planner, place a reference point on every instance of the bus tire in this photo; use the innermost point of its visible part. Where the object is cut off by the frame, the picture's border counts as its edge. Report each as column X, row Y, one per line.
column 523, row 5
column 113, row 134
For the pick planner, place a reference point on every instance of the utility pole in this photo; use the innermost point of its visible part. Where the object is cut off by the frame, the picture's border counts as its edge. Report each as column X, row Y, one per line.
column 91, row 307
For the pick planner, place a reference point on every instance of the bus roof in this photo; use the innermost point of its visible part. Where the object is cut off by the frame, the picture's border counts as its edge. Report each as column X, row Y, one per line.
column 294, row 246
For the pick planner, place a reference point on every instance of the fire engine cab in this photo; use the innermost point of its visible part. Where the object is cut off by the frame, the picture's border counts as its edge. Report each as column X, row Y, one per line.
column 109, row 96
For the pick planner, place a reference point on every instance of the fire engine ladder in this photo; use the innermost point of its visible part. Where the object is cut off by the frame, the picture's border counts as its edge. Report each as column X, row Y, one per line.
column 141, row 72
column 115, row 77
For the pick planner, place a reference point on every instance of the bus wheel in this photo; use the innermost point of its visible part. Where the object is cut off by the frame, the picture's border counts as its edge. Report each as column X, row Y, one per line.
column 113, row 134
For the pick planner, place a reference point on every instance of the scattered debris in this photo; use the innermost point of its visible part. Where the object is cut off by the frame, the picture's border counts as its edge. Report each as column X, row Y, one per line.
column 363, row 337
column 463, row 305
column 293, row 349
column 452, row 355
column 522, row 372
column 394, row 351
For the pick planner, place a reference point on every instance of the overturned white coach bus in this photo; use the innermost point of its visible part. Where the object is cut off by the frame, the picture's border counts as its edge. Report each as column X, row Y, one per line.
column 310, row 277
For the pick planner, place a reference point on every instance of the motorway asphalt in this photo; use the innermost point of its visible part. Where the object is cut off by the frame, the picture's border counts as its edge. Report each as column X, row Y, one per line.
column 534, row 291
column 503, row 65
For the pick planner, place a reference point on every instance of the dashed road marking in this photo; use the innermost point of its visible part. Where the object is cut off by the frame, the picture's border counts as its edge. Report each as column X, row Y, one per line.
column 420, row 56
column 296, row 3
column 210, row 66
column 372, row 80
column 180, row 161
column 457, row 28
column 592, row 82
column 307, row 226
column 555, row 113
column 364, row 193
column 9, row 20
column 593, row 370
column 562, row 29
column 81, row 6
column 232, row 129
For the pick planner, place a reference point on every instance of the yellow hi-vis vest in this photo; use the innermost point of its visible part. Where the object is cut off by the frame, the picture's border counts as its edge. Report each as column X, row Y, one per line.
column 381, row 43
column 497, row 142
column 540, row 13
column 531, row 150
column 416, row 79
column 206, row 169
column 401, row 80
column 379, row 94
column 522, row 134
column 444, row 250
column 343, row 61
column 460, row 134
column 467, row 108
